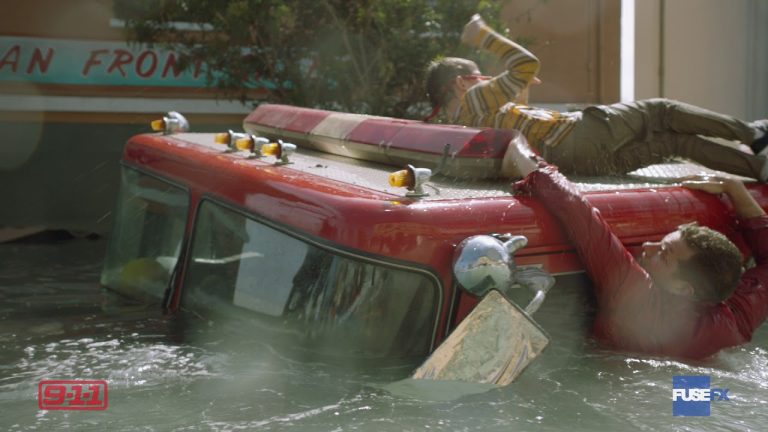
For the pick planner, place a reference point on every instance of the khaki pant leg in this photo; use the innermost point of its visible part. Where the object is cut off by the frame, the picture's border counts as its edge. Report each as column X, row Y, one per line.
column 590, row 147
column 617, row 139
column 708, row 153
column 665, row 115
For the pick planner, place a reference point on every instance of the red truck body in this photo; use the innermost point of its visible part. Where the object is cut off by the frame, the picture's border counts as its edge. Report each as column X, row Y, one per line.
column 314, row 198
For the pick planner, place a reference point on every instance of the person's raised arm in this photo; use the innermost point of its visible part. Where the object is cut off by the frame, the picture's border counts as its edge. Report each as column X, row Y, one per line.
column 612, row 268
column 520, row 64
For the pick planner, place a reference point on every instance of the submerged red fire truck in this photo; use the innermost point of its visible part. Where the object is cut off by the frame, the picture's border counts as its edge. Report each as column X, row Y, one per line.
column 298, row 222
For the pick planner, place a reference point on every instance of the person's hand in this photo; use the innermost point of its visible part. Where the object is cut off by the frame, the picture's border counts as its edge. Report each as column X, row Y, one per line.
column 472, row 29
column 711, row 184
column 744, row 203
column 519, row 160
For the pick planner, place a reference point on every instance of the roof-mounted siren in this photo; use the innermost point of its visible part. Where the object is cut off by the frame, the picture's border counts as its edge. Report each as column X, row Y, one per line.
column 411, row 178
column 171, row 122
column 281, row 150
column 252, row 144
column 229, row 138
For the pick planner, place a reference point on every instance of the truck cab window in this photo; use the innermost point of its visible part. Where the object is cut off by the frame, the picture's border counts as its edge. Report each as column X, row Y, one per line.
column 146, row 238
column 329, row 300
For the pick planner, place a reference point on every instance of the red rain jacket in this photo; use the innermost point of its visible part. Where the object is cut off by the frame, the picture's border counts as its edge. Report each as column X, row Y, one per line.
column 634, row 315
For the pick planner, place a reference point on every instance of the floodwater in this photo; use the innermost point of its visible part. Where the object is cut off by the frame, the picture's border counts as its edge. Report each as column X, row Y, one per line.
column 164, row 374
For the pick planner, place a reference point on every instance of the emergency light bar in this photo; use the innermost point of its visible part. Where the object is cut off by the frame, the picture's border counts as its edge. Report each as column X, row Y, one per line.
column 472, row 152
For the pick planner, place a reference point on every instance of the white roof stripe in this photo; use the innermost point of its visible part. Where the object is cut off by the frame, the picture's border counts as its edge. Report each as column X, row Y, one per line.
column 338, row 125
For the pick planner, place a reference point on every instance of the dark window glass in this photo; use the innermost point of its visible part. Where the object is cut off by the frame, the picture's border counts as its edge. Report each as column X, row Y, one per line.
column 146, row 237
column 314, row 297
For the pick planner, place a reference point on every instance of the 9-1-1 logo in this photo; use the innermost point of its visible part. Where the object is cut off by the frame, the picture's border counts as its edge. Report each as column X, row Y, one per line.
column 72, row 395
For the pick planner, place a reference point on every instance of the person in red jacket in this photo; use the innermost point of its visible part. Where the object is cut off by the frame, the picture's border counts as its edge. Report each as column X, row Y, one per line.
column 686, row 295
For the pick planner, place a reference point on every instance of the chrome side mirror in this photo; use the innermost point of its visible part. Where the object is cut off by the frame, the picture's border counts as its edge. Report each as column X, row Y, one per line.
column 497, row 339
column 483, row 262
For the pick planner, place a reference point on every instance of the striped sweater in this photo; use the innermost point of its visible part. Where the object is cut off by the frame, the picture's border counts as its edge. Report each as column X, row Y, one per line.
column 488, row 103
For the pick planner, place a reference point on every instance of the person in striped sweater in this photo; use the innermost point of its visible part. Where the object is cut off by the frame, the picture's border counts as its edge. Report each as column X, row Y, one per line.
column 601, row 139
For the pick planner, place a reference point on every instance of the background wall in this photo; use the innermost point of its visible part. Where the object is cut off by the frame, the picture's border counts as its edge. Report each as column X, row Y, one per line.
column 577, row 42
column 710, row 53
column 60, row 139
column 61, row 143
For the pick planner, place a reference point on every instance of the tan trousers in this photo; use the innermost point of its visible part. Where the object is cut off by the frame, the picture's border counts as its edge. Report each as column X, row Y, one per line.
column 623, row 137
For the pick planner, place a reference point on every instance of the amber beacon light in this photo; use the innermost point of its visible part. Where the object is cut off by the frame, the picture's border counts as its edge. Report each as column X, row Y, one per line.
column 229, row 138
column 171, row 122
column 252, row 144
column 412, row 179
column 281, row 150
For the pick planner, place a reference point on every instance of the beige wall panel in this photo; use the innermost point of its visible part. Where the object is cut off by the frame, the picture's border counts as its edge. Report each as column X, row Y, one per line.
column 578, row 44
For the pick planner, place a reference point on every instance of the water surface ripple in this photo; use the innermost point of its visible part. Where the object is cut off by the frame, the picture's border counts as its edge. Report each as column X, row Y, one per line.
column 165, row 375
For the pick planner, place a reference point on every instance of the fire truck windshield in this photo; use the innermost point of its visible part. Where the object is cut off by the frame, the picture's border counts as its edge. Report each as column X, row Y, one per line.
column 147, row 236
column 318, row 296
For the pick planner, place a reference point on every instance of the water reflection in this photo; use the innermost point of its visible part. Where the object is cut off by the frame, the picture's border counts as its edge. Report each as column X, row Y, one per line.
column 185, row 374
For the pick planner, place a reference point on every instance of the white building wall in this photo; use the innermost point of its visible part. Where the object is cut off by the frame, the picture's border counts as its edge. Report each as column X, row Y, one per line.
column 712, row 53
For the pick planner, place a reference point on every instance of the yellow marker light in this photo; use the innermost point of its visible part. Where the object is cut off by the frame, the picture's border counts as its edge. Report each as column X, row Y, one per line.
column 171, row 122
column 271, row 149
column 157, row 125
column 221, row 138
column 281, row 150
column 400, row 178
column 411, row 178
column 244, row 143
column 249, row 143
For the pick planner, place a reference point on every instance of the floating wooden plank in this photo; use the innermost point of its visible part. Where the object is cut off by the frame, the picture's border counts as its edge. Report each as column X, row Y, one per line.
column 493, row 345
